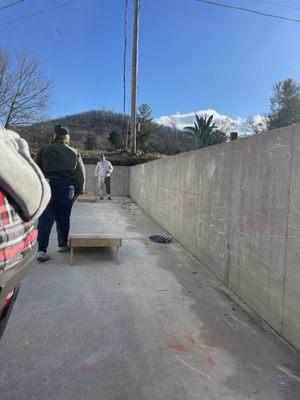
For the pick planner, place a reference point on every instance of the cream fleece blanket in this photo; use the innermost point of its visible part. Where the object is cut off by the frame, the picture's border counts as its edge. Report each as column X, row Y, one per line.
column 20, row 177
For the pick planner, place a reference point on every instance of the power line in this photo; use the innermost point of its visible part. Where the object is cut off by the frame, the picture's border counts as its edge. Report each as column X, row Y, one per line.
column 39, row 13
column 249, row 11
column 277, row 4
column 11, row 4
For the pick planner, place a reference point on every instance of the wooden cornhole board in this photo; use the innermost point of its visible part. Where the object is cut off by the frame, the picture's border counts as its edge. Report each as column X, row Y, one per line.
column 94, row 240
column 88, row 197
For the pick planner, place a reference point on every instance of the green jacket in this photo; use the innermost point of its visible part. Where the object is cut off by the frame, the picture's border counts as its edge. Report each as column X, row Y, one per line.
column 58, row 160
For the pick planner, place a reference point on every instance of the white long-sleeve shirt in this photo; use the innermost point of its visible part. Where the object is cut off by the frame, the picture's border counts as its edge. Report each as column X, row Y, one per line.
column 103, row 169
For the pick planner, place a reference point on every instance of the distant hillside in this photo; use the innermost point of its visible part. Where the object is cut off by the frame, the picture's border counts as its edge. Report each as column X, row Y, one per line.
column 101, row 123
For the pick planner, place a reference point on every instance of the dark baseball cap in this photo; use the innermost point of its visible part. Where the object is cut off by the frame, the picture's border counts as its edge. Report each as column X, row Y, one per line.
column 61, row 130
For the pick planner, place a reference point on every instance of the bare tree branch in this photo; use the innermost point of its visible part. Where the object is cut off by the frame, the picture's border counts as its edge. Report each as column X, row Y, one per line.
column 255, row 125
column 24, row 92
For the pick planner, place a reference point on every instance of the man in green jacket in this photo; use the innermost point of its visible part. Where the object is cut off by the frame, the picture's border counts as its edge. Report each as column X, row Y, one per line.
column 64, row 169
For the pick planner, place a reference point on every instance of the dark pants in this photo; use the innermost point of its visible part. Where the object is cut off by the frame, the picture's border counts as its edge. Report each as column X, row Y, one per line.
column 104, row 181
column 107, row 185
column 58, row 210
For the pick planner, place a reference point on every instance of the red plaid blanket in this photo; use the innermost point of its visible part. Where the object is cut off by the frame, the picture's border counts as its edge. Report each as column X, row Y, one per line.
column 17, row 237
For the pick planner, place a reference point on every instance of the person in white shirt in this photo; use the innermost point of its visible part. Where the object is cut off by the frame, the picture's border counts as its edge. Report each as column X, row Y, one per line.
column 102, row 172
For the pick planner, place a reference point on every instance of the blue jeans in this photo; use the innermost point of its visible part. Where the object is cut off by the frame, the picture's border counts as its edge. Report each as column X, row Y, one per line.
column 58, row 210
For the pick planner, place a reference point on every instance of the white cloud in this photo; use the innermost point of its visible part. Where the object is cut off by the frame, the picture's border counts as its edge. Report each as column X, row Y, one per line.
column 180, row 120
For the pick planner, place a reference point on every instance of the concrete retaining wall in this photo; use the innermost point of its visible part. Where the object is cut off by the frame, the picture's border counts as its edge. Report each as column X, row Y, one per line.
column 236, row 207
column 120, row 180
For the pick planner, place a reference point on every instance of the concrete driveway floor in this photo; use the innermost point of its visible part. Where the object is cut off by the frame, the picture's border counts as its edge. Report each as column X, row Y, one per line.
column 156, row 327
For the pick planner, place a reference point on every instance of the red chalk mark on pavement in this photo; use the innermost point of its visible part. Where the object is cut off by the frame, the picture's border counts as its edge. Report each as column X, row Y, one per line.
column 178, row 346
column 211, row 361
column 205, row 349
column 198, row 346
column 191, row 339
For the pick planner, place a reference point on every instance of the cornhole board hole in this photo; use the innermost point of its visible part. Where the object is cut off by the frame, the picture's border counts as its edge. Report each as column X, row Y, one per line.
column 88, row 197
column 94, row 240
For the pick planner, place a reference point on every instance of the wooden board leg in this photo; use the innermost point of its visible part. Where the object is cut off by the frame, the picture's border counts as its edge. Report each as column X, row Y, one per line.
column 118, row 255
column 72, row 256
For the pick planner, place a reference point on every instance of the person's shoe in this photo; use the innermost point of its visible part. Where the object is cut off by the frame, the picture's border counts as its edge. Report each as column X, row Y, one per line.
column 108, row 198
column 63, row 249
column 101, row 198
column 42, row 256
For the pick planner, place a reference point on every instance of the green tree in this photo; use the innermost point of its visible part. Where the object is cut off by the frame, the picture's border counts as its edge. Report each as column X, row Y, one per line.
column 115, row 139
column 204, row 132
column 91, row 141
column 284, row 104
column 147, row 129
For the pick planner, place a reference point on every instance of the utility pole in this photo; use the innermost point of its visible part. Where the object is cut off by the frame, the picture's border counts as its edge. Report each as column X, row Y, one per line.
column 134, row 74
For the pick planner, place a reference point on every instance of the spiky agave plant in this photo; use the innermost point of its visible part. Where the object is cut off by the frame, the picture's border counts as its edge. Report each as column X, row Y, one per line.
column 202, row 131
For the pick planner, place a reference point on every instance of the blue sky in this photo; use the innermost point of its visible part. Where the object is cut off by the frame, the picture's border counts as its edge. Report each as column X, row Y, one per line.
column 192, row 56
